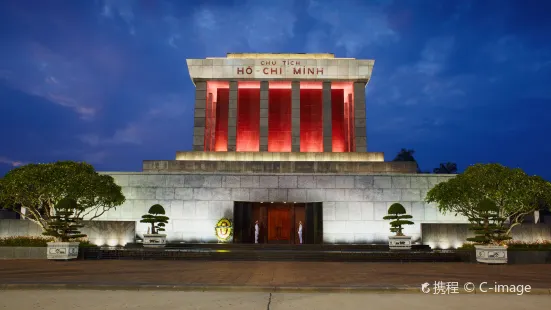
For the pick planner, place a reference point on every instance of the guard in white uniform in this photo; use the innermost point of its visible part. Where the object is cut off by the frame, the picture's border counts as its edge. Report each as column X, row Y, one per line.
column 300, row 231
column 256, row 232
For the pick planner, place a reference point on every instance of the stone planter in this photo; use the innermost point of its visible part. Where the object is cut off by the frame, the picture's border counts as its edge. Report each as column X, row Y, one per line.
column 491, row 254
column 154, row 240
column 399, row 242
column 62, row 250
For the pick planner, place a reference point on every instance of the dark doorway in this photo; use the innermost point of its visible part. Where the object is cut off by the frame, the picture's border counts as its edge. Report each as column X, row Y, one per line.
column 278, row 222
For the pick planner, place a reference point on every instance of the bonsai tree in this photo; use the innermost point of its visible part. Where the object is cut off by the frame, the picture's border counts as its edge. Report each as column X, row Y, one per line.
column 487, row 224
column 397, row 213
column 514, row 193
column 64, row 225
column 156, row 218
column 34, row 190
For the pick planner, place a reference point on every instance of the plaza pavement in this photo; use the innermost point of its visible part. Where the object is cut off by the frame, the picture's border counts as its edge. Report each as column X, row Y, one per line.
column 261, row 276
column 116, row 300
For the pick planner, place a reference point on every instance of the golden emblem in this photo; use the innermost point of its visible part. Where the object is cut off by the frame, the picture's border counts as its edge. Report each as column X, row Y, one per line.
column 223, row 230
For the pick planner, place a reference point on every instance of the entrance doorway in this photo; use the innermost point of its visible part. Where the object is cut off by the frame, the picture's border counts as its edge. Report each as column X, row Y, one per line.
column 278, row 222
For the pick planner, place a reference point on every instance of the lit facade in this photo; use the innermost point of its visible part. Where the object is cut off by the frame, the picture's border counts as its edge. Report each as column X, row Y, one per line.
column 279, row 139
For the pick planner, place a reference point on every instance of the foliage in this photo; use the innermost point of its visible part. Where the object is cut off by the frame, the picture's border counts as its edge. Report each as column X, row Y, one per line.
column 156, row 218
column 515, row 193
column 24, row 241
column 447, row 168
column 33, row 190
column 486, row 224
column 397, row 213
column 64, row 225
column 407, row 155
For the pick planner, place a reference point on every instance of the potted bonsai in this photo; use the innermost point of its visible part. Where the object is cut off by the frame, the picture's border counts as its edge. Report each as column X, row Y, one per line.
column 397, row 214
column 63, row 226
column 157, row 219
column 490, row 233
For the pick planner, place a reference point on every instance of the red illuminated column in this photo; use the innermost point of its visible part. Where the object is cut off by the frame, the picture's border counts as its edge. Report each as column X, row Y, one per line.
column 248, row 117
column 311, row 117
column 337, row 102
column 222, row 109
column 280, row 115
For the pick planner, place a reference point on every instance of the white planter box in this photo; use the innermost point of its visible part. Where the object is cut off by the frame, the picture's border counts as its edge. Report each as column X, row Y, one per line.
column 491, row 254
column 154, row 240
column 62, row 250
column 399, row 242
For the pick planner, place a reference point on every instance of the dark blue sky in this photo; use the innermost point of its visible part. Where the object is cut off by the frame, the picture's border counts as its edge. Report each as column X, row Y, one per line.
column 106, row 81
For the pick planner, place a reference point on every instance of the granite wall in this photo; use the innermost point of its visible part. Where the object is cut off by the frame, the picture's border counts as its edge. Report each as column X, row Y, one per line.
column 111, row 233
column 353, row 205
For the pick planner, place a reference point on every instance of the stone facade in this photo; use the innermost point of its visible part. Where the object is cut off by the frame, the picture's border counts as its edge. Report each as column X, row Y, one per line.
column 353, row 205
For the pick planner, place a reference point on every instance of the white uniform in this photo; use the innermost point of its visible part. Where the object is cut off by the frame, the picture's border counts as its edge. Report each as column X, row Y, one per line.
column 256, row 231
column 300, row 233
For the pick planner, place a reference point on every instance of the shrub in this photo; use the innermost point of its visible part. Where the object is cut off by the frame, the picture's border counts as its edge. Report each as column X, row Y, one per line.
column 156, row 218
column 397, row 213
column 24, row 241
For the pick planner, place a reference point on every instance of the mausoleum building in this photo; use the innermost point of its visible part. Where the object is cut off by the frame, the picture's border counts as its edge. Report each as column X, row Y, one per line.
column 279, row 139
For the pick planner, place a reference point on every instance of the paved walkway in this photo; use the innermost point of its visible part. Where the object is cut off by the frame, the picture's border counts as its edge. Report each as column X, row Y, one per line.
column 266, row 274
column 116, row 300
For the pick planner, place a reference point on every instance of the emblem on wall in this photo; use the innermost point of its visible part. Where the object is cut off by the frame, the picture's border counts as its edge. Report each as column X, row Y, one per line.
column 224, row 230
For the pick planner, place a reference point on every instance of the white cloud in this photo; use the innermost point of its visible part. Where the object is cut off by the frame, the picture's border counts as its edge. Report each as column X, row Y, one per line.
column 11, row 162
column 353, row 28
column 161, row 109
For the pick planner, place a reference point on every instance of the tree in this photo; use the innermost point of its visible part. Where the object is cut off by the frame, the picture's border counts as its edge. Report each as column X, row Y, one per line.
column 515, row 193
column 486, row 224
column 34, row 189
column 156, row 218
column 397, row 213
column 407, row 155
column 447, row 168
column 64, row 225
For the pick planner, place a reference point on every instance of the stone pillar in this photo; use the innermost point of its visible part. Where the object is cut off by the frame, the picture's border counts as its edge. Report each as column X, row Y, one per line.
column 199, row 116
column 232, row 117
column 327, row 118
column 264, row 95
column 360, row 134
column 295, row 116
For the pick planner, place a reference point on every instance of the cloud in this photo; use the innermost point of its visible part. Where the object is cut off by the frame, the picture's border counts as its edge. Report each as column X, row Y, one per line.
column 69, row 81
column 11, row 162
column 354, row 27
column 122, row 9
column 261, row 26
column 161, row 108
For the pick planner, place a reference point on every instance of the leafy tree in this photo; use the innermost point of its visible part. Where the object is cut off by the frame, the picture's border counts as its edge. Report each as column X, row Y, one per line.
column 397, row 213
column 64, row 225
column 37, row 188
column 156, row 218
column 486, row 224
column 407, row 155
column 515, row 193
column 447, row 168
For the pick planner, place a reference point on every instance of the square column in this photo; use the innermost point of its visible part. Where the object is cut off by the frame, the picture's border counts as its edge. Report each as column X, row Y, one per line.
column 264, row 95
column 232, row 117
column 199, row 116
column 327, row 118
column 360, row 139
column 295, row 116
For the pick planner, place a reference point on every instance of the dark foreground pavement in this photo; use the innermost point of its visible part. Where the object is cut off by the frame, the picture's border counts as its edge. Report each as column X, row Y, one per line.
column 116, row 300
column 262, row 276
